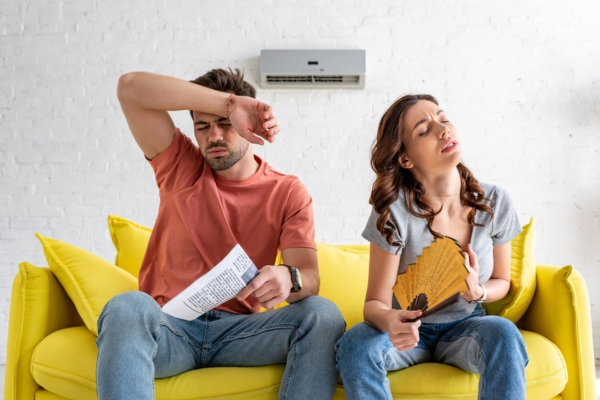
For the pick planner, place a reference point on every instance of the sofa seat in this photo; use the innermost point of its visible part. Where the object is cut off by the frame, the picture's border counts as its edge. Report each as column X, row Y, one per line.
column 54, row 369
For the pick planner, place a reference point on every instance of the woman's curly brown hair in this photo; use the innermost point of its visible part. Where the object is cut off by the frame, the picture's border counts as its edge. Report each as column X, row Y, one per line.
column 391, row 178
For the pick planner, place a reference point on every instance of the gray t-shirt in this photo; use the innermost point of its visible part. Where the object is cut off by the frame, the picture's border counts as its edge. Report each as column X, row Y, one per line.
column 413, row 235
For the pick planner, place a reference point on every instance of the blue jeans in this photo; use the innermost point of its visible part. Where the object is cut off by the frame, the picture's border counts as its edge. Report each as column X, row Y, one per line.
column 486, row 345
column 137, row 342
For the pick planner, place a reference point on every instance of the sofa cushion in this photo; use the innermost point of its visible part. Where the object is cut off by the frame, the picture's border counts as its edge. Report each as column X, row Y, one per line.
column 522, row 277
column 130, row 240
column 89, row 280
column 344, row 272
column 65, row 363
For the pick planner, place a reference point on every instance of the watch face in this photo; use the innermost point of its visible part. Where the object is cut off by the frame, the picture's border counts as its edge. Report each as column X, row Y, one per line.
column 299, row 278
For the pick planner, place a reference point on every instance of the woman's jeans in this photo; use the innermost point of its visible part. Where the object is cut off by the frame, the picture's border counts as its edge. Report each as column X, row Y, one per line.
column 137, row 342
column 486, row 345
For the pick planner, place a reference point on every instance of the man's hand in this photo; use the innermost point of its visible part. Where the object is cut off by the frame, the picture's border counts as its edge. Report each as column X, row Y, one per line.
column 253, row 120
column 271, row 286
column 403, row 335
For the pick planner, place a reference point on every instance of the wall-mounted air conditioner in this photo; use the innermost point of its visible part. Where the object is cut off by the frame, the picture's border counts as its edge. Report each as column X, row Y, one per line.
column 312, row 69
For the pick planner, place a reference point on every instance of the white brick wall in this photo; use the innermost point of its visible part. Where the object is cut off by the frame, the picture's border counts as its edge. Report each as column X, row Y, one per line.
column 521, row 80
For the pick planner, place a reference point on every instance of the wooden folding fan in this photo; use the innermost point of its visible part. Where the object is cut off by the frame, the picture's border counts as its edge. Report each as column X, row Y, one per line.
column 435, row 280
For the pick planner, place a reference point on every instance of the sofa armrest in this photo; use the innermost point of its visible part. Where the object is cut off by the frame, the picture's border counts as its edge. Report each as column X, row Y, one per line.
column 560, row 311
column 39, row 306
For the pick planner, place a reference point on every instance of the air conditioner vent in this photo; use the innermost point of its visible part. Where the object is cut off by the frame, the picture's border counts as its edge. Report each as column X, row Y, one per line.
column 313, row 79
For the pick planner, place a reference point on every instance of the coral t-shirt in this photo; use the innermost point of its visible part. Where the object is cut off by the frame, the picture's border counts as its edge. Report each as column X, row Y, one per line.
column 202, row 215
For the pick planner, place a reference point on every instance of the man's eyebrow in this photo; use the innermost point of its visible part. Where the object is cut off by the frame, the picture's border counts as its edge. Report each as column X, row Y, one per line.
column 426, row 119
column 201, row 122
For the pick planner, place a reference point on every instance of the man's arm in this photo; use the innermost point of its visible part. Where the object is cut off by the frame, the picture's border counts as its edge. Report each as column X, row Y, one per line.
column 146, row 99
column 273, row 284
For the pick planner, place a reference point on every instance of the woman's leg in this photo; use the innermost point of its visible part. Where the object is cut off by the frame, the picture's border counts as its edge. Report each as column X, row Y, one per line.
column 492, row 347
column 364, row 355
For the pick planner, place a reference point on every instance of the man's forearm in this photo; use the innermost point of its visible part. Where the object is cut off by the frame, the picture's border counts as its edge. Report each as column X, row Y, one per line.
column 159, row 92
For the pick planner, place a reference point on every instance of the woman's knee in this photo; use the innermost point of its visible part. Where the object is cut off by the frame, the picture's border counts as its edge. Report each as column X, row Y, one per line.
column 506, row 339
column 502, row 330
column 362, row 342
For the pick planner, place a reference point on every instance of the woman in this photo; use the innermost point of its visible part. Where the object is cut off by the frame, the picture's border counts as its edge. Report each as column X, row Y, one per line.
column 423, row 191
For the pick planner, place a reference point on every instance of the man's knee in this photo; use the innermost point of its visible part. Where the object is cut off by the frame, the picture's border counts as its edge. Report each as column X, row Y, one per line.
column 322, row 312
column 127, row 308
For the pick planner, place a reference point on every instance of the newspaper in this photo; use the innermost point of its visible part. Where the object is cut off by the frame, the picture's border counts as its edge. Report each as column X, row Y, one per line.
column 218, row 285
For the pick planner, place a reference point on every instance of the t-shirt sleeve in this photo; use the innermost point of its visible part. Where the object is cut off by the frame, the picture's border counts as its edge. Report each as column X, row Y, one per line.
column 181, row 155
column 298, row 229
column 505, row 224
column 372, row 234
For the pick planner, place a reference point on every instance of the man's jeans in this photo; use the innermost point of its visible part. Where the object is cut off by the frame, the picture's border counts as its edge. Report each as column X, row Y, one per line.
column 138, row 342
column 487, row 345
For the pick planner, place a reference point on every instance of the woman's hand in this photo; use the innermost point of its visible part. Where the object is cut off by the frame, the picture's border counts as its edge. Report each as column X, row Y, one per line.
column 253, row 120
column 475, row 291
column 404, row 335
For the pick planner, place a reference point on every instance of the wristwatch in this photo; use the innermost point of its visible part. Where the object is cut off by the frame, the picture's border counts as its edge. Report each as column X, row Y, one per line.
column 296, row 278
column 482, row 298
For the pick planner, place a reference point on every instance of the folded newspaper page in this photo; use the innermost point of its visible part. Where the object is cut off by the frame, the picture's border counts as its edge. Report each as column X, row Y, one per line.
column 218, row 285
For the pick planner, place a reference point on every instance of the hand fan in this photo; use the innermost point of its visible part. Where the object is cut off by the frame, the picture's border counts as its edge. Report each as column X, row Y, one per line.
column 435, row 280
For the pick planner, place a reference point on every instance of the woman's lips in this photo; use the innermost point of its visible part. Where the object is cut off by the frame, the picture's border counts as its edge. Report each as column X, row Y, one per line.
column 450, row 146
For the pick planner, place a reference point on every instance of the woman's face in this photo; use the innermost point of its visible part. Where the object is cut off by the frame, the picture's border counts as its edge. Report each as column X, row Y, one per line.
column 430, row 140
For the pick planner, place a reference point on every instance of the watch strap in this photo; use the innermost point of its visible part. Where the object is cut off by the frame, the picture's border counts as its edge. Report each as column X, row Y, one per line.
column 294, row 274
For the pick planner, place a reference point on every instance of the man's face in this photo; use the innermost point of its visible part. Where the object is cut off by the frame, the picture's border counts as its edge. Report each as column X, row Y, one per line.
column 219, row 143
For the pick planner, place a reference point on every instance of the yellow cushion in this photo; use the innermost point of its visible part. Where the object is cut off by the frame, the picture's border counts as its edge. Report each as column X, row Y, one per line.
column 522, row 277
column 89, row 280
column 344, row 272
column 130, row 240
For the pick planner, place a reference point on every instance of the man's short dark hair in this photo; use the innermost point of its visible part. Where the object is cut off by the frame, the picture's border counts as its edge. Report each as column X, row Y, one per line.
column 231, row 81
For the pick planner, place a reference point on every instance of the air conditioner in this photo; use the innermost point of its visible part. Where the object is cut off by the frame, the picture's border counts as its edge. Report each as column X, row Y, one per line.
column 312, row 69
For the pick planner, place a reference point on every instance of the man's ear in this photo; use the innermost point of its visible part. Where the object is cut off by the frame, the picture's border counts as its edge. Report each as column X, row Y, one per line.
column 404, row 162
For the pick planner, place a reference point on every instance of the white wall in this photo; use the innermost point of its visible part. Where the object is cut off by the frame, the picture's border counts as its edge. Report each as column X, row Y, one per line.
column 520, row 80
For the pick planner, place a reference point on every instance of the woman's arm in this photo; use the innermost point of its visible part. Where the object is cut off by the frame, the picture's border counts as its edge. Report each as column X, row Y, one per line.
column 378, row 312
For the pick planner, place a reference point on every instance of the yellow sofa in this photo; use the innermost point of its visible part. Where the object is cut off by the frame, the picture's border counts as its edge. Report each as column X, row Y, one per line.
column 52, row 354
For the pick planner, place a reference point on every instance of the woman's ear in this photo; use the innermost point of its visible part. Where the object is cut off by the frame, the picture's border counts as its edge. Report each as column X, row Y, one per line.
column 404, row 162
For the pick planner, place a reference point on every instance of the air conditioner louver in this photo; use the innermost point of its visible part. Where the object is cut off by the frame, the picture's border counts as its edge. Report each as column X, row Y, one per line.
column 308, row 69
column 313, row 79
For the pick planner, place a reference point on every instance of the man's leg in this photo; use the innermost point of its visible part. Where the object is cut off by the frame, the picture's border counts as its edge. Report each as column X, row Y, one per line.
column 138, row 342
column 365, row 355
column 492, row 347
column 301, row 335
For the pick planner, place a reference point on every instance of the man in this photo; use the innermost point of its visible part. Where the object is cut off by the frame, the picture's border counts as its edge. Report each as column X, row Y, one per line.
column 212, row 197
